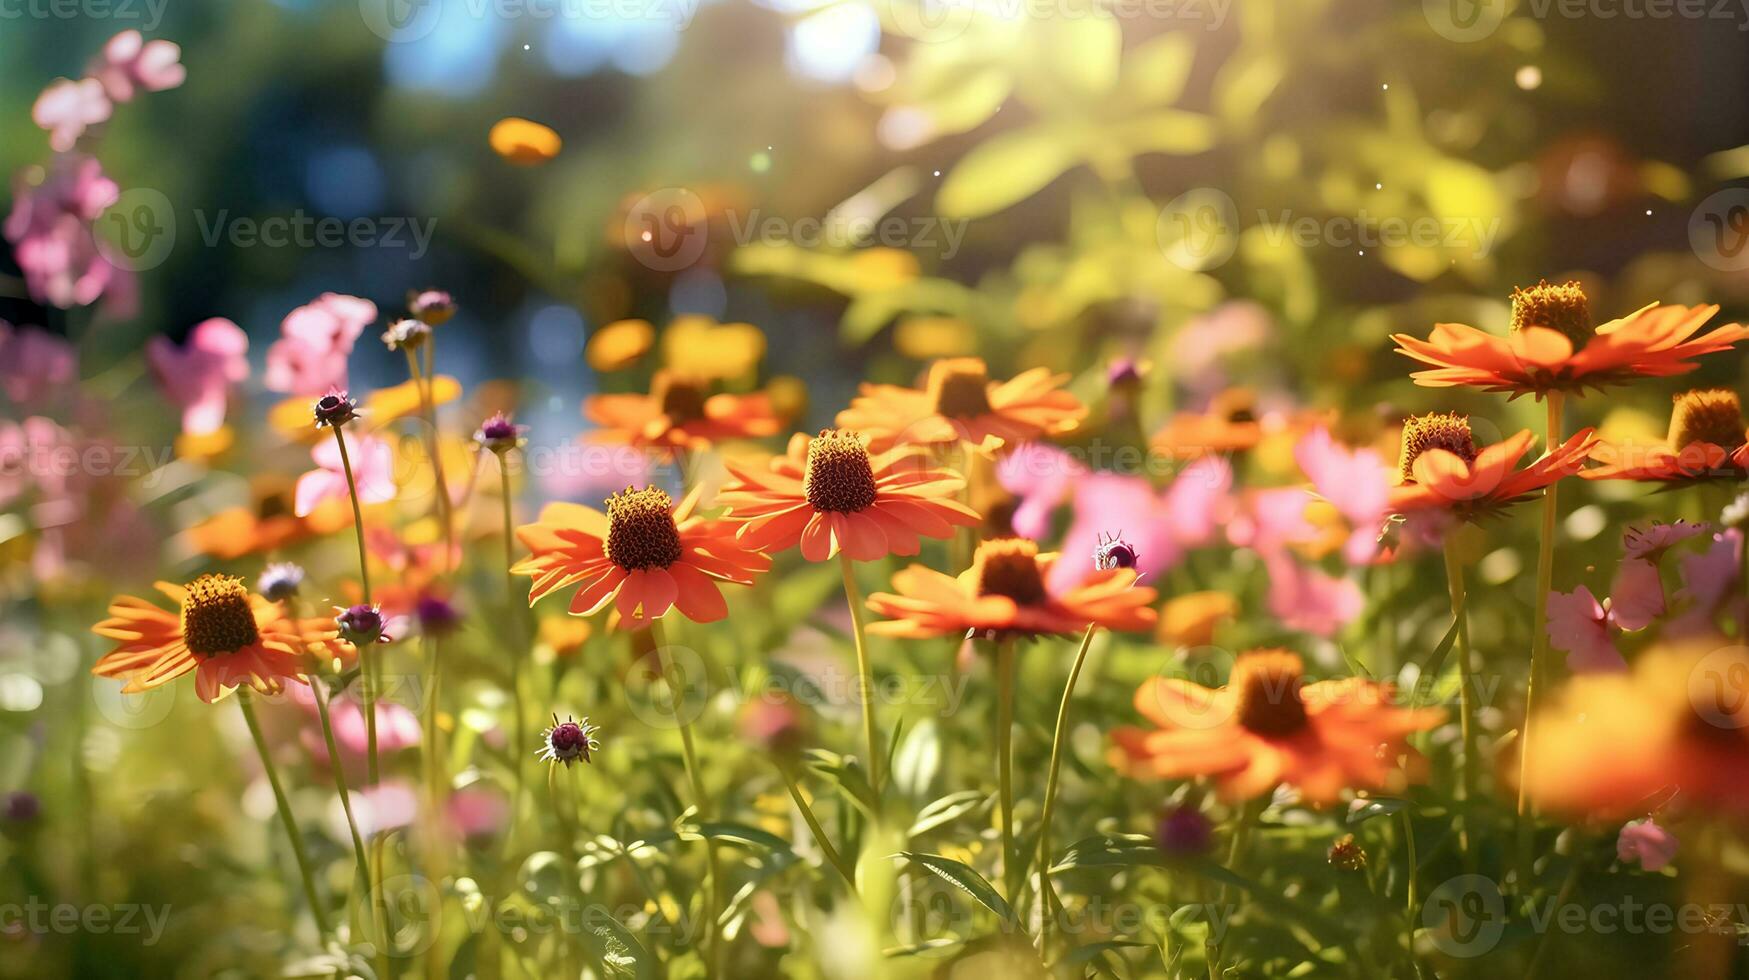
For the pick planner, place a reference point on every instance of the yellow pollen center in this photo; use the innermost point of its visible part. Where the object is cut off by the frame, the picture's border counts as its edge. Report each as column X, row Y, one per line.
column 1009, row 567
column 1266, row 686
column 960, row 386
column 641, row 534
column 216, row 617
column 1557, row 307
column 682, row 400
column 1439, row 430
column 839, row 477
column 1707, row 415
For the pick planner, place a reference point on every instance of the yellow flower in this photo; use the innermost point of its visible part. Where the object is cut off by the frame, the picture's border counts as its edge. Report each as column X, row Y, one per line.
column 699, row 347
column 620, row 344
column 523, row 142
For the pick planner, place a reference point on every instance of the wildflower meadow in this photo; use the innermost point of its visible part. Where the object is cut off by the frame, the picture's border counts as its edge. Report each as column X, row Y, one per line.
column 874, row 489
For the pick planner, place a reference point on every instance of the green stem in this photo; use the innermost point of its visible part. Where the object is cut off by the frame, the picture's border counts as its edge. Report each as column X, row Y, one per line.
column 1005, row 757
column 339, row 771
column 865, row 672
column 1539, row 646
column 520, row 722
column 568, row 848
column 813, row 822
column 1454, row 578
column 1046, row 894
column 713, row 880
column 1248, row 813
column 285, row 816
column 425, row 380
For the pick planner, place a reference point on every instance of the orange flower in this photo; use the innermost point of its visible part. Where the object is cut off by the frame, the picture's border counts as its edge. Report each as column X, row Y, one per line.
column 961, row 404
column 1620, row 743
column 1003, row 594
column 645, row 554
column 1229, row 426
column 1269, row 726
column 1706, row 443
column 679, row 414
column 268, row 524
column 1553, row 346
column 827, row 493
column 1190, row 620
column 223, row 633
column 1442, row 470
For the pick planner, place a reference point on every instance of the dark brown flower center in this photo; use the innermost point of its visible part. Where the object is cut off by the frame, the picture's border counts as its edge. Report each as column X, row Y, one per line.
column 216, row 617
column 682, row 400
column 1235, row 405
column 1439, row 430
column 838, row 477
column 1266, row 686
column 641, row 533
column 1707, row 415
column 1557, row 307
column 1009, row 567
column 960, row 387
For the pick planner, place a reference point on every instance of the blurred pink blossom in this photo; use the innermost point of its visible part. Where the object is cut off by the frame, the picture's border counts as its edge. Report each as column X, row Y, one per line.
column 1653, row 540
column 33, row 363
column 1636, row 598
column 66, row 107
column 50, row 230
column 1111, row 503
column 1041, row 476
column 310, row 356
column 1645, row 843
column 373, row 466
column 198, row 376
column 1357, row 482
column 385, row 806
column 478, row 811
column 129, row 62
column 1579, row 626
column 1309, row 599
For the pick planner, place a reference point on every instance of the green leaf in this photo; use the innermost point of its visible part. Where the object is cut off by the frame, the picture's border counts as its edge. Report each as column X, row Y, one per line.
column 964, row 878
column 1107, row 850
column 1375, row 806
column 618, row 949
column 848, row 775
column 945, row 810
column 1155, row 72
column 917, row 760
column 1004, row 170
column 1165, row 131
column 740, row 833
column 1425, row 692
column 1083, row 954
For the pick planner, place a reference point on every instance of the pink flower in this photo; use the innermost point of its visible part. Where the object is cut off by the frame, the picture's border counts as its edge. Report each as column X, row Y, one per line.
column 33, row 363
column 385, row 806
column 1645, row 843
column 478, row 811
column 131, row 62
column 50, row 230
column 1309, row 599
column 66, row 107
column 1041, row 476
column 1199, row 500
column 1578, row 625
column 1357, row 482
column 310, row 357
column 1636, row 598
column 1271, row 519
column 1651, row 542
column 198, row 376
column 1111, row 503
column 1711, row 575
column 1197, row 350
column 373, row 466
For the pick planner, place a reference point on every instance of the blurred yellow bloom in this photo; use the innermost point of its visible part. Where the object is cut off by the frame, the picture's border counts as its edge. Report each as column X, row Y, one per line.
column 789, row 396
column 1190, row 620
column 883, row 268
column 700, row 347
column 926, row 338
column 524, row 142
column 201, row 448
column 620, row 344
column 564, row 635
column 386, row 405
